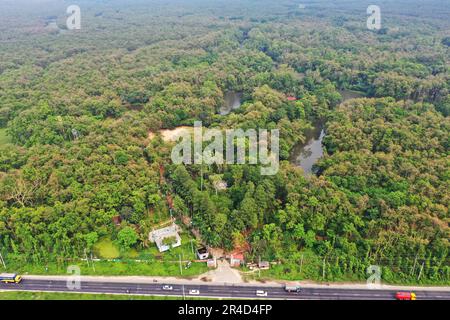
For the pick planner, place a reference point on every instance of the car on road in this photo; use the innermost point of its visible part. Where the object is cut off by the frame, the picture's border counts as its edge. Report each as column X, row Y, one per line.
column 167, row 288
column 261, row 293
column 194, row 292
column 292, row 289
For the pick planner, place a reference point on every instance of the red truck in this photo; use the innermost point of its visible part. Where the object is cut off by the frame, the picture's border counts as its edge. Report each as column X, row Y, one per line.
column 405, row 296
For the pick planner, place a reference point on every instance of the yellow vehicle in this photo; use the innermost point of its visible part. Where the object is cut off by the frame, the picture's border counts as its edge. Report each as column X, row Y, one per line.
column 10, row 278
column 405, row 296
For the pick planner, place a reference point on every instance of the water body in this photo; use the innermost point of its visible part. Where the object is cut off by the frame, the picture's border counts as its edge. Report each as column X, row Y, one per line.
column 233, row 101
column 305, row 155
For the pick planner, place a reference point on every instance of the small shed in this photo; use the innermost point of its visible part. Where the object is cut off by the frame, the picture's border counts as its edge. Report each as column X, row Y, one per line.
column 166, row 238
column 202, row 253
column 211, row 263
column 236, row 260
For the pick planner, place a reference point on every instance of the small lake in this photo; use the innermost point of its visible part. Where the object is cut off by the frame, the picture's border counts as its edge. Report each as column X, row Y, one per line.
column 305, row 155
column 233, row 101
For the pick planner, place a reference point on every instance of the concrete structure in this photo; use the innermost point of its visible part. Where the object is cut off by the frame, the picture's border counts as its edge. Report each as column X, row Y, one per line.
column 202, row 253
column 158, row 237
column 264, row 265
column 236, row 260
column 211, row 263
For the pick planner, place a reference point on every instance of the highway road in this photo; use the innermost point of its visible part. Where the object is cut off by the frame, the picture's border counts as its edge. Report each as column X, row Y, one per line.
column 218, row 291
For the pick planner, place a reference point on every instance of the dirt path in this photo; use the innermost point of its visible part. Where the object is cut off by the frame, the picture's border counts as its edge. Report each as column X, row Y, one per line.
column 171, row 135
column 223, row 274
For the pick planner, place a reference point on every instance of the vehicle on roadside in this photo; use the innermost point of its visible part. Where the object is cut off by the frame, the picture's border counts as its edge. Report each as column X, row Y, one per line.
column 292, row 288
column 261, row 293
column 194, row 292
column 10, row 278
column 405, row 296
column 167, row 288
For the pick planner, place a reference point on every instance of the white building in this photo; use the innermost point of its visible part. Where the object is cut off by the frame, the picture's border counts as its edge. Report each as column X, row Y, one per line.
column 202, row 253
column 158, row 237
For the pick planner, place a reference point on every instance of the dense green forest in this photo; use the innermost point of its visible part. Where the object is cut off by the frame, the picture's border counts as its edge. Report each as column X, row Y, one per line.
column 81, row 112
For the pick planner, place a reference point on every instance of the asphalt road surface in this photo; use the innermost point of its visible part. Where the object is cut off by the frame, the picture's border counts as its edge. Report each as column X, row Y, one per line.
column 218, row 291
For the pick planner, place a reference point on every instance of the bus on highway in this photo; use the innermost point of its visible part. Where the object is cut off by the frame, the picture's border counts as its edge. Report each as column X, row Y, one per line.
column 10, row 278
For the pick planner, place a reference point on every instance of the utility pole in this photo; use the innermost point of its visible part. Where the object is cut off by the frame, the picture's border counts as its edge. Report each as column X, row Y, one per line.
column 259, row 266
column 2, row 260
column 420, row 272
column 414, row 266
column 92, row 261
column 192, row 247
column 86, row 256
column 301, row 264
column 181, row 269
column 201, row 183
column 323, row 269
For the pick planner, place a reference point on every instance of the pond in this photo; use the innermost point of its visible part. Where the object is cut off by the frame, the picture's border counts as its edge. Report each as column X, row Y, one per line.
column 306, row 154
column 233, row 101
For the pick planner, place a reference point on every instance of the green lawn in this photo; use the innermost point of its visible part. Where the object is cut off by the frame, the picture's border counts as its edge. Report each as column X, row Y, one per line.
column 134, row 262
column 106, row 249
column 17, row 295
column 312, row 270
column 112, row 268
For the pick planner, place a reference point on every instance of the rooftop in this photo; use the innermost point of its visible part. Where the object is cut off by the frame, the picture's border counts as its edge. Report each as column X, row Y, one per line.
column 158, row 236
